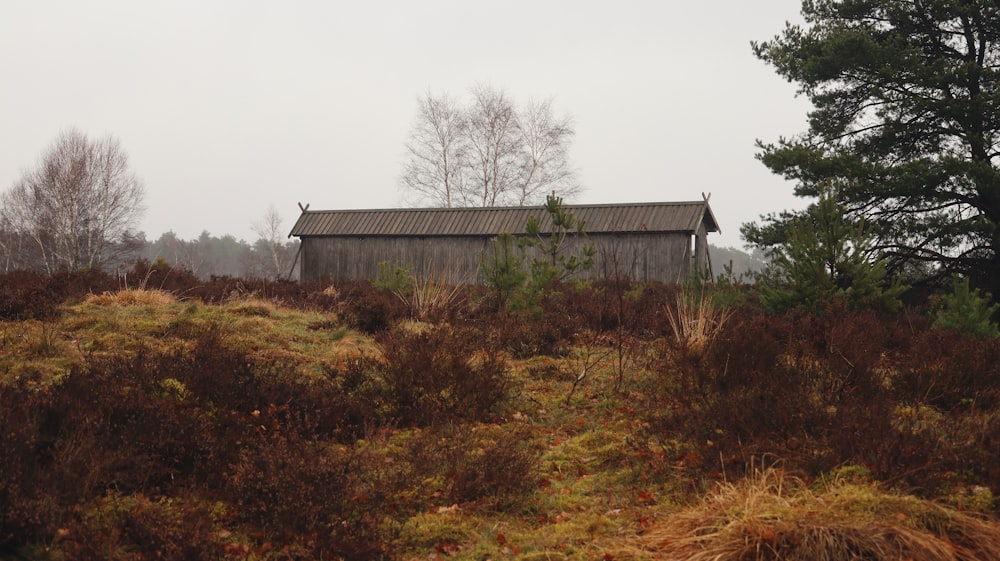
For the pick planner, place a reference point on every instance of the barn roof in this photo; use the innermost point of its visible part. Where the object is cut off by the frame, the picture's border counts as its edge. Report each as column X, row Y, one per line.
column 490, row 221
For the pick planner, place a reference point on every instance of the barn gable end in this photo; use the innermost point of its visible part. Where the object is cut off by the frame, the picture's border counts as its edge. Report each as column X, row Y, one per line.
column 643, row 241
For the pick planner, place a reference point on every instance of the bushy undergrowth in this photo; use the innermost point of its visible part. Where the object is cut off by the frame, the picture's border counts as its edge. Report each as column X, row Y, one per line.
column 34, row 295
column 194, row 440
column 915, row 405
column 172, row 432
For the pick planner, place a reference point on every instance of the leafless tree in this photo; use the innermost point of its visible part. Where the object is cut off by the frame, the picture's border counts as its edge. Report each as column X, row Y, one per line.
column 437, row 148
column 495, row 139
column 545, row 167
column 78, row 206
column 269, row 230
column 489, row 152
column 22, row 245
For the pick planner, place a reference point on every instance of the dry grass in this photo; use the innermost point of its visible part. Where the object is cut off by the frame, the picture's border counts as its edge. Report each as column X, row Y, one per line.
column 132, row 297
column 696, row 320
column 126, row 320
column 432, row 293
column 251, row 306
column 772, row 516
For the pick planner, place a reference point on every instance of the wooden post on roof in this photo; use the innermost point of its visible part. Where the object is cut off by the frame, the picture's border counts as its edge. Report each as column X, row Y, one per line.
column 702, row 261
column 298, row 252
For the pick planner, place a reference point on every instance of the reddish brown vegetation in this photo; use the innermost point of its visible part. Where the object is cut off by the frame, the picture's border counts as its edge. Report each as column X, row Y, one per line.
column 914, row 405
column 173, row 433
column 211, row 453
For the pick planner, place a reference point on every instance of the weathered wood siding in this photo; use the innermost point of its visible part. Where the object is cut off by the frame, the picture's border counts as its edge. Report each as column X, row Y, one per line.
column 664, row 257
column 359, row 257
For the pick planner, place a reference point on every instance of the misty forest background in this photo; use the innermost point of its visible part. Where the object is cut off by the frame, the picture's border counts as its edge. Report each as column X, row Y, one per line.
column 226, row 256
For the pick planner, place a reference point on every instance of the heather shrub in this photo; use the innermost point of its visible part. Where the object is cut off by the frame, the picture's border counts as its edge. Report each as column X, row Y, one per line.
column 650, row 307
column 27, row 295
column 526, row 337
column 27, row 511
column 805, row 388
column 74, row 286
column 369, row 309
column 214, row 423
column 490, row 465
column 636, row 310
column 35, row 295
column 106, row 428
column 911, row 404
column 112, row 426
column 948, row 370
column 218, row 375
column 486, row 466
column 440, row 373
column 299, row 493
column 570, row 308
column 620, row 308
column 160, row 275
column 476, row 466
column 137, row 528
column 547, row 329
column 223, row 289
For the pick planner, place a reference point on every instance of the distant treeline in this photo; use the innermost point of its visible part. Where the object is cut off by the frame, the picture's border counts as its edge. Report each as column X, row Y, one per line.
column 742, row 264
column 207, row 256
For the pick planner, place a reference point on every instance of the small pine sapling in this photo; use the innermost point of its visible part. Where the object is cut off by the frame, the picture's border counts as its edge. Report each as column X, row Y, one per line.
column 967, row 311
column 825, row 256
column 503, row 268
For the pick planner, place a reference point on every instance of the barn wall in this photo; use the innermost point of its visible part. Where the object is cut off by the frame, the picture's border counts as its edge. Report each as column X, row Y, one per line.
column 655, row 256
column 642, row 257
column 359, row 257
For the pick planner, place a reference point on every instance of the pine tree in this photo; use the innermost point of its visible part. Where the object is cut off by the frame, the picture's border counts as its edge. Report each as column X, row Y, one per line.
column 827, row 257
column 906, row 119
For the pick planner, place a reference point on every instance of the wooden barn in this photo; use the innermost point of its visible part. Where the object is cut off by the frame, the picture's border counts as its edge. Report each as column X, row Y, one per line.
column 664, row 241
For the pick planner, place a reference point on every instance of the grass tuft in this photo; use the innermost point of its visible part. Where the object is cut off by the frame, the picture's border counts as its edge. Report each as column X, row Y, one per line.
column 132, row 297
column 696, row 320
column 771, row 515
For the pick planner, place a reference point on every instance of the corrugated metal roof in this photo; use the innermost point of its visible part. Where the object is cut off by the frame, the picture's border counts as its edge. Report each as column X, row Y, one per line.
column 621, row 218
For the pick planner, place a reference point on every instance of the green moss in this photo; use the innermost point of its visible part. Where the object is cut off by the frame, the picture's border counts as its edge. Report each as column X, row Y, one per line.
column 542, row 556
column 173, row 389
column 430, row 530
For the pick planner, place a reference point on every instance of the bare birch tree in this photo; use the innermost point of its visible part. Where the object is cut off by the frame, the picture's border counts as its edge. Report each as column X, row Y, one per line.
column 495, row 138
column 23, row 245
column 270, row 233
column 78, row 206
column 545, row 141
column 489, row 152
column 437, row 148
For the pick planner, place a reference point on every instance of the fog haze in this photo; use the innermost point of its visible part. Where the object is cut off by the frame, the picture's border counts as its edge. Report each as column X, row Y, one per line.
column 228, row 107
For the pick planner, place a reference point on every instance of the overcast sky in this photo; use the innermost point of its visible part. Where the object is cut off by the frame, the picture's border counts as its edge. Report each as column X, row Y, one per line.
column 226, row 108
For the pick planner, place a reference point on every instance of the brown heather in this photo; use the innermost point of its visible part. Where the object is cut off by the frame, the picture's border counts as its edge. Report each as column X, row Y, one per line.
column 251, row 419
